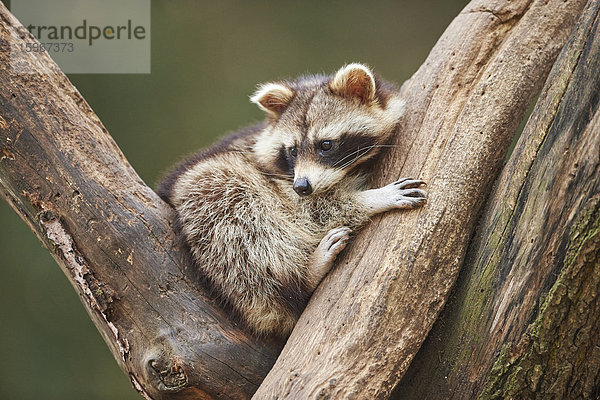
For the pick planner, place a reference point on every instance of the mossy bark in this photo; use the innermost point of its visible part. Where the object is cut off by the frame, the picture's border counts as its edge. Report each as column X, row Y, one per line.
column 558, row 357
column 541, row 223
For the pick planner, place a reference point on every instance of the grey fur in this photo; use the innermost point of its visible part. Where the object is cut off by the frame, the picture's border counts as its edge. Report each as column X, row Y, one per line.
column 263, row 247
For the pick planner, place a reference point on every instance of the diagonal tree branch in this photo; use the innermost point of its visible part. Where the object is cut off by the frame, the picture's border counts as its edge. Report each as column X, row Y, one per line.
column 64, row 175
column 369, row 317
column 537, row 251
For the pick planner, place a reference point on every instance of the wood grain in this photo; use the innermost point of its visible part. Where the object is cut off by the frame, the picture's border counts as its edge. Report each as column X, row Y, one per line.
column 369, row 317
column 112, row 236
column 529, row 286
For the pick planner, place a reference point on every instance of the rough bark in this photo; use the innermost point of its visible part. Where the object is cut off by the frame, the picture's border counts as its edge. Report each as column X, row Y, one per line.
column 523, row 320
column 61, row 171
column 64, row 175
column 369, row 317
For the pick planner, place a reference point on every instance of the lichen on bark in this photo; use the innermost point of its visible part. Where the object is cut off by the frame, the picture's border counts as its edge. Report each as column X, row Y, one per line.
column 559, row 355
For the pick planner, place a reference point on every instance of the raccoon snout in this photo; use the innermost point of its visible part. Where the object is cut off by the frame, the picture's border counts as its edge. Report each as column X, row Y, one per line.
column 302, row 187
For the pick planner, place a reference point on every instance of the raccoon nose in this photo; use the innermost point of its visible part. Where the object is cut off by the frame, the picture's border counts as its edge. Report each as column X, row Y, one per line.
column 302, row 187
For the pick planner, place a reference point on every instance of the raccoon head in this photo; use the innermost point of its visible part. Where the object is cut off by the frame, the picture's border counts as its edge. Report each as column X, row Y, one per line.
column 320, row 129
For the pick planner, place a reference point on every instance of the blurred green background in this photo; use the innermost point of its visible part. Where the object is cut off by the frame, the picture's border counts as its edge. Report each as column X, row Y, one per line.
column 207, row 57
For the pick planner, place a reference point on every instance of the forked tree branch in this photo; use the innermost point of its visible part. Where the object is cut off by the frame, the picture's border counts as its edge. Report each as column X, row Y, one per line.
column 529, row 289
column 111, row 234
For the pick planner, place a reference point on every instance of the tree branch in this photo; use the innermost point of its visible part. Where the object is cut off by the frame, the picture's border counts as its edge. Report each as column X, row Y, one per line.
column 536, row 256
column 64, row 175
column 369, row 317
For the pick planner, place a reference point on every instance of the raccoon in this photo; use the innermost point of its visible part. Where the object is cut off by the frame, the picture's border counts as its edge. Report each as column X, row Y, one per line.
column 265, row 212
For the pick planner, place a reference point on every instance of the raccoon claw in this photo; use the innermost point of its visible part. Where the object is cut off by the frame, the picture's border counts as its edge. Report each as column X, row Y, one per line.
column 409, row 183
column 413, row 193
column 335, row 241
column 410, row 202
column 407, row 193
column 330, row 246
column 404, row 193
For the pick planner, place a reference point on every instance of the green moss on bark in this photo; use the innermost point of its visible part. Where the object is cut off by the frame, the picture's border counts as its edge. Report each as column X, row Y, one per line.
column 559, row 356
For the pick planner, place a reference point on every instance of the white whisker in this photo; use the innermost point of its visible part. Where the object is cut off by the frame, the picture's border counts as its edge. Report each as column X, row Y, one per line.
column 365, row 150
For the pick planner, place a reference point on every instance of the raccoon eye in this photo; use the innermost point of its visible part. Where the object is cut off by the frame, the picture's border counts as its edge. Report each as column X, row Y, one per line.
column 294, row 152
column 326, row 145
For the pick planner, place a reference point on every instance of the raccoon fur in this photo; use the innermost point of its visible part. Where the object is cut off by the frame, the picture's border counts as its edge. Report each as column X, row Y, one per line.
column 265, row 212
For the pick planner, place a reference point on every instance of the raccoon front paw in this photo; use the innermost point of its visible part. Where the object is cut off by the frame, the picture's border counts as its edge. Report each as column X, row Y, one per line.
column 405, row 193
column 330, row 246
column 334, row 242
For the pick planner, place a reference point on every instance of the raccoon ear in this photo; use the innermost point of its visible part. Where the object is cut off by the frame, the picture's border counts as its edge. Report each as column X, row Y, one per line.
column 272, row 98
column 354, row 81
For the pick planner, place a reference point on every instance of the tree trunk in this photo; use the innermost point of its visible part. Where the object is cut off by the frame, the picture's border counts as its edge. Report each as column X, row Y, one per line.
column 523, row 320
column 111, row 234
column 369, row 317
